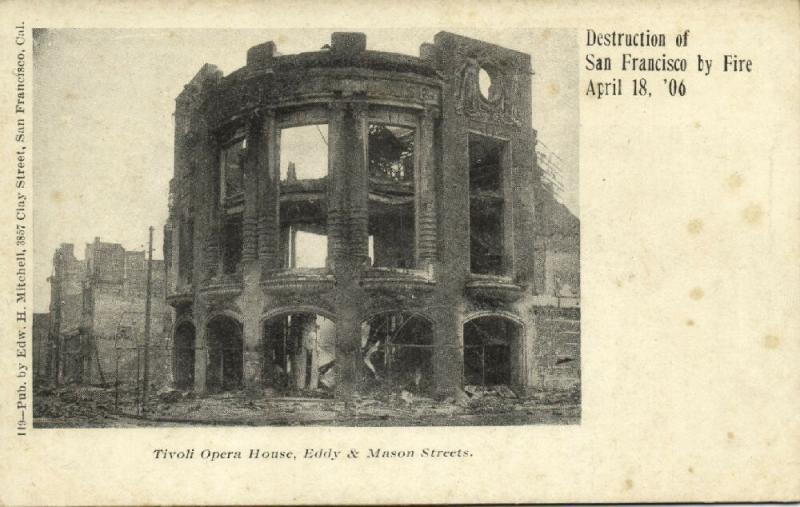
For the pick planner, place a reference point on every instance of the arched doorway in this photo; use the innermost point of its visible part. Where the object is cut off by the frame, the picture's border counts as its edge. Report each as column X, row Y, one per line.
column 183, row 355
column 299, row 351
column 225, row 354
column 397, row 350
column 489, row 344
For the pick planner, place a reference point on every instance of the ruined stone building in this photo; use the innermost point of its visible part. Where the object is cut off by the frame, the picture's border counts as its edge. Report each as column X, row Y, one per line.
column 350, row 220
column 97, row 315
column 40, row 331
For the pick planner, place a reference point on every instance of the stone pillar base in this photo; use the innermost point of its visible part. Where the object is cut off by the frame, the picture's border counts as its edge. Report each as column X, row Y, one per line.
column 448, row 358
column 200, row 366
column 251, row 375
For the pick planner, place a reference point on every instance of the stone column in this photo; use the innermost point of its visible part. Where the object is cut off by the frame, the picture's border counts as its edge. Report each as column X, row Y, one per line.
column 251, row 333
column 250, row 170
column 252, row 296
column 172, row 230
column 448, row 357
column 269, row 233
column 201, row 348
column 210, row 170
column 357, row 165
column 426, row 191
column 337, row 183
column 200, row 367
column 268, row 157
column 347, row 227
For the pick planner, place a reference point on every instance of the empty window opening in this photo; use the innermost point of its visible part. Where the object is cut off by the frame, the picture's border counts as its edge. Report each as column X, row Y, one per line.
column 304, row 246
column 488, row 349
column 304, row 182
column 397, row 350
column 225, row 355
column 391, row 235
column 485, row 83
column 486, row 205
column 391, row 195
column 391, row 153
column 232, row 168
column 231, row 243
column 184, row 356
column 300, row 349
column 304, row 153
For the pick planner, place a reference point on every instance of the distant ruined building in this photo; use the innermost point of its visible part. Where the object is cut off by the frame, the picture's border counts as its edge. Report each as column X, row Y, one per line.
column 354, row 220
column 96, row 319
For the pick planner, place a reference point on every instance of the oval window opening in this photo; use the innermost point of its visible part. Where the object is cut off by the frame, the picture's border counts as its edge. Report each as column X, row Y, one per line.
column 484, row 82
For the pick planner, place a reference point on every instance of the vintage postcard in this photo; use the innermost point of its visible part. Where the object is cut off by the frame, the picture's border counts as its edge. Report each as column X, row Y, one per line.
column 310, row 253
column 319, row 264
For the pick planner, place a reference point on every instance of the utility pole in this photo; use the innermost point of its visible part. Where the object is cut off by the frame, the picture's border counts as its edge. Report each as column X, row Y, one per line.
column 146, row 382
column 54, row 355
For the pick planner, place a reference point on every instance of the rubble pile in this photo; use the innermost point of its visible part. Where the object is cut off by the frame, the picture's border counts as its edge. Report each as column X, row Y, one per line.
column 88, row 406
column 85, row 403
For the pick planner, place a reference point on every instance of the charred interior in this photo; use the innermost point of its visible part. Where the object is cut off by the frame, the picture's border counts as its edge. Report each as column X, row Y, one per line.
column 486, row 205
column 488, row 349
column 299, row 352
column 224, row 341
column 391, row 195
column 397, row 350
column 231, row 242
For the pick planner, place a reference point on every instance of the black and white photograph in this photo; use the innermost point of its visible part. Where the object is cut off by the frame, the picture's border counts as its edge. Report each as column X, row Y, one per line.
column 500, row 252
column 306, row 227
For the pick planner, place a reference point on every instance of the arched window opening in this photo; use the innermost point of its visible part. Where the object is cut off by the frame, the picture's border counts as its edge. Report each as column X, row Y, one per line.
column 485, row 84
column 397, row 350
column 300, row 349
column 225, row 355
column 488, row 345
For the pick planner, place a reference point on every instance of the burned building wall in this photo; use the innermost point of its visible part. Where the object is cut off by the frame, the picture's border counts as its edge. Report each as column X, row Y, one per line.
column 488, row 181
column 67, row 288
column 353, row 185
column 65, row 363
column 557, row 293
column 41, row 345
column 558, row 353
column 99, row 324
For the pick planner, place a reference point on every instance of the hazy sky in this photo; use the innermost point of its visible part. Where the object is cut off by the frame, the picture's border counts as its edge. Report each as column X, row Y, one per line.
column 103, row 128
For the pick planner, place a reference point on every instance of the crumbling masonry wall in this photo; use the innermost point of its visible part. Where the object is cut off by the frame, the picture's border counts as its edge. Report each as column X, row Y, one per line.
column 97, row 316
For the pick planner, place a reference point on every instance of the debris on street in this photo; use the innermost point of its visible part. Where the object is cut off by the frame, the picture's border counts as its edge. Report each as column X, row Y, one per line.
column 79, row 406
